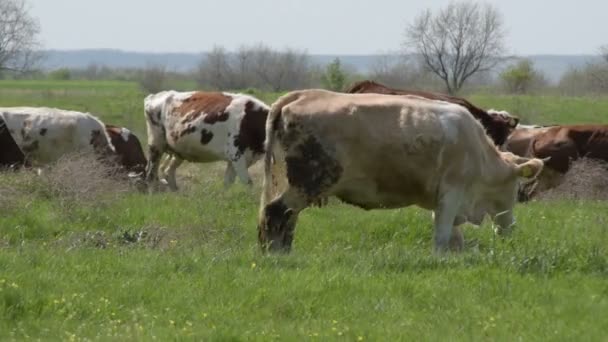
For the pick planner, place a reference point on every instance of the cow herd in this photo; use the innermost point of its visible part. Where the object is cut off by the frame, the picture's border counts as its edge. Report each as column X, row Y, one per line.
column 371, row 146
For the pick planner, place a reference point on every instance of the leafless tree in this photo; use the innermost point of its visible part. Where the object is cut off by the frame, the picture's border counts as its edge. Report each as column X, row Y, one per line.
column 256, row 66
column 400, row 71
column 604, row 52
column 214, row 70
column 599, row 71
column 458, row 41
column 153, row 78
column 18, row 37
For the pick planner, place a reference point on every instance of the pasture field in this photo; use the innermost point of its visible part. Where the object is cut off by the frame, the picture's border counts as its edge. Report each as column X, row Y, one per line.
column 109, row 264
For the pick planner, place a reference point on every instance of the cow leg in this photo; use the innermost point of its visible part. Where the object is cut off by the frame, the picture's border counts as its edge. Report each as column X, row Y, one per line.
column 457, row 239
column 154, row 154
column 229, row 175
column 164, row 165
column 174, row 163
column 445, row 216
column 240, row 166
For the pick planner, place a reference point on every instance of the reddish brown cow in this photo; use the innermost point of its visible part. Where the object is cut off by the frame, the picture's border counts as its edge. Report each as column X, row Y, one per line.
column 497, row 126
column 570, row 142
column 562, row 144
column 128, row 149
column 10, row 153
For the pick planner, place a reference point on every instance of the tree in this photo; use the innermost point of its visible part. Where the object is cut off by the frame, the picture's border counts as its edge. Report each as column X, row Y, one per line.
column 18, row 37
column 334, row 77
column 604, row 53
column 254, row 66
column 153, row 78
column 458, row 41
column 519, row 77
column 214, row 70
column 61, row 74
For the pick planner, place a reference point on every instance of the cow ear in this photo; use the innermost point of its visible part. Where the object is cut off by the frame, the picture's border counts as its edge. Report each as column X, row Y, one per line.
column 529, row 169
column 513, row 121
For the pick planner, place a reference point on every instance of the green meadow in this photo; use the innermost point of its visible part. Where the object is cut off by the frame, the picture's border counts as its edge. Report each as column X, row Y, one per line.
column 111, row 263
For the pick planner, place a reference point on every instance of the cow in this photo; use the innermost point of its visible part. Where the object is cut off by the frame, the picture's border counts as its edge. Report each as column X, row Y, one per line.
column 498, row 124
column 380, row 151
column 45, row 134
column 203, row 127
column 10, row 153
column 128, row 149
column 562, row 144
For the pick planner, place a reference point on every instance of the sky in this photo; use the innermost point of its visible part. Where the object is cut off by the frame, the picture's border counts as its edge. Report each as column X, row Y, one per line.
column 317, row 26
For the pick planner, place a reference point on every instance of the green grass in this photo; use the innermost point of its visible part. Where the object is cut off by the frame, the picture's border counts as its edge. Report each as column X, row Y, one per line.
column 72, row 270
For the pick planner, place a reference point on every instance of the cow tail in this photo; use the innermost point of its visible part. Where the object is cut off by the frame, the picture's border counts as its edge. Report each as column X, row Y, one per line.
column 275, row 169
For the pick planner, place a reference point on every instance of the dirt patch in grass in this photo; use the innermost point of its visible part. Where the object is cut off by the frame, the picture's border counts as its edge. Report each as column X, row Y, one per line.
column 586, row 179
column 150, row 237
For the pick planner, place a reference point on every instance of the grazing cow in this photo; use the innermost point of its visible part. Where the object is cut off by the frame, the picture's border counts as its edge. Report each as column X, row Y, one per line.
column 562, row 144
column 204, row 127
column 128, row 149
column 380, row 151
column 45, row 134
column 498, row 124
column 10, row 153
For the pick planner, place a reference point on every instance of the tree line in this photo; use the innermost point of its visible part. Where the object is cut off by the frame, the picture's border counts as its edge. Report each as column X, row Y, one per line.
column 450, row 49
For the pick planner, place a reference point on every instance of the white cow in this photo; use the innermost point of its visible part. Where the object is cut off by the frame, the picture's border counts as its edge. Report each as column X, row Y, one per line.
column 204, row 127
column 45, row 134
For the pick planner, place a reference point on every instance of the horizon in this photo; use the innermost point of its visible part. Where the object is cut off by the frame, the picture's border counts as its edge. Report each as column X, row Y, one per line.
column 309, row 53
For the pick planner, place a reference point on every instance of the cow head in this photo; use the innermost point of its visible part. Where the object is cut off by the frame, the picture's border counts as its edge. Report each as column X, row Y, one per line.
column 502, row 194
column 276, row 227
column 501, row 125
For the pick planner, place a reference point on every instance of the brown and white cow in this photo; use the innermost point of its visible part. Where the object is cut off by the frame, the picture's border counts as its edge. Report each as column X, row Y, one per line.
column 498, row 124
column 10, row 153
column 381, row 151
column 204, row 127
column 128, row 149
column 45, row 134
column 562, row 144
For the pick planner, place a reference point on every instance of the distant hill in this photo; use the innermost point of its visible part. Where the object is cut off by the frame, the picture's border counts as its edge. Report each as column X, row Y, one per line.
column 553, row 66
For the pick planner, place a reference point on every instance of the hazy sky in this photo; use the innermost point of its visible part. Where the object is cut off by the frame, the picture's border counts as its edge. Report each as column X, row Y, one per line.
column 319, row 26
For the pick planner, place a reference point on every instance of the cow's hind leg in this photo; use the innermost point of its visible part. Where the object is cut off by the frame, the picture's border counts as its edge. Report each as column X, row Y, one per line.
column 170, row 171
column 154, row 155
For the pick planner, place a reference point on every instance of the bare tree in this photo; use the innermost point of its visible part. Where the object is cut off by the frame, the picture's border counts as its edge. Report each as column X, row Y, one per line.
column 458, row 41
column 604, row 52
column 599, row 71
column 254, row 66
column 153, row 78
column 214, row 70
column 18, row 37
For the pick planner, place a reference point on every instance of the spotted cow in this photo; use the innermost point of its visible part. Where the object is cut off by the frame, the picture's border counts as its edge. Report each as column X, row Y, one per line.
column 382, row 151
column 498, row 124
column 45, row 134
column 204, row 127
column 10, row 153
column 561, row 144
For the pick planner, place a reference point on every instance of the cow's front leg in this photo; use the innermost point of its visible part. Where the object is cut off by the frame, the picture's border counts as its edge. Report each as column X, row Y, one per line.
column 240, row 166
column 229, row 175
column 445, row 216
